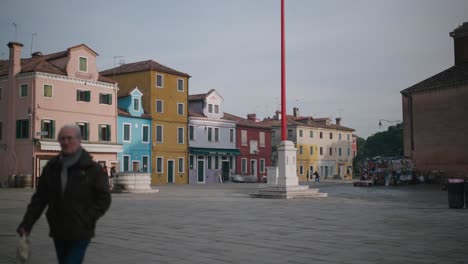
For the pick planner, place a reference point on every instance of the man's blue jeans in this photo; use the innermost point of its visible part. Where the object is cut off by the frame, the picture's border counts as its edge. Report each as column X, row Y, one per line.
column 71, row 251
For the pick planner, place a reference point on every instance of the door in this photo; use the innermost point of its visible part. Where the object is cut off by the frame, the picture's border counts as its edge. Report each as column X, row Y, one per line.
column 136, row 166
column 170, row 171
column 201, row 170
column 311, row 172
column 225, row 171
column 253, row 167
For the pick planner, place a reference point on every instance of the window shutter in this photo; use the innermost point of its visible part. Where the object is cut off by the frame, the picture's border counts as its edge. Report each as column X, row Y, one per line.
column 100, row 132
column 109, row 99
column 88, row 96
column 52, row 129
column 27, row 129
column 77, row 95
column 86, row 131
column 18, row 128
column 108, row 133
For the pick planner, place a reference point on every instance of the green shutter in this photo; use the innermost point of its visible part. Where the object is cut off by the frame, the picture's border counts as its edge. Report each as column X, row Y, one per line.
column 77, row 95
column 109, row 99
column 52, row 129
column 18, row 128
column 108, row 133
column 42, row 128
column 86, row 131
column 27, row 129
column 100, row 133
column 88, row 96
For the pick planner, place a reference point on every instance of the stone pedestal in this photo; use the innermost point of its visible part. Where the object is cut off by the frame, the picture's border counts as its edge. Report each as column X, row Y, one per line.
column 284, row 184
column 132, row 182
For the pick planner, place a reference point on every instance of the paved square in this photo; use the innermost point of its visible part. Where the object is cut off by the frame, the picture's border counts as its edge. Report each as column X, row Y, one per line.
column 220, row 224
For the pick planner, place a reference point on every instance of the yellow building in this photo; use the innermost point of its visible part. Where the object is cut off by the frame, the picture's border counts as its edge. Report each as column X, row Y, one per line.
column 165, row 94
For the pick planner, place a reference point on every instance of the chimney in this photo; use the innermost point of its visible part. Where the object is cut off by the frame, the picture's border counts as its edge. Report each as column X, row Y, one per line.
column 252, row 117
column 36, row 54
column 338, row 121
column 296, row 111
column 460, row 43
column 278, row 115
column 14, row 63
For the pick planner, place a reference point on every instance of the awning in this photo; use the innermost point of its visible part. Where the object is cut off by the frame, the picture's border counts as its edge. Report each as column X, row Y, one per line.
column 214, row 151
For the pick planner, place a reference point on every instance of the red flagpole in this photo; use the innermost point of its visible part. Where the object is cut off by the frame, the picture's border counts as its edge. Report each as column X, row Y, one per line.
column 283, row 77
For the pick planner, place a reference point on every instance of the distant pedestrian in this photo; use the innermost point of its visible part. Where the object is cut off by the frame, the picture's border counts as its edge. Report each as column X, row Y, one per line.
column 317, row 176
column 75, row 190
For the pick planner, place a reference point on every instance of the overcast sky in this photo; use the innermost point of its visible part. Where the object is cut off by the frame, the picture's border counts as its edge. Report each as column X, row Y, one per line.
column 344, row 58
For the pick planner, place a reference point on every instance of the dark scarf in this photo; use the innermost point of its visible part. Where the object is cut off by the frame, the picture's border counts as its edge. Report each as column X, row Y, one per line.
column 67, row 162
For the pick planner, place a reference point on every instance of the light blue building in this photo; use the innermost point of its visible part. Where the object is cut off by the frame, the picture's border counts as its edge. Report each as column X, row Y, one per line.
column 212, row 140
column 134, row 133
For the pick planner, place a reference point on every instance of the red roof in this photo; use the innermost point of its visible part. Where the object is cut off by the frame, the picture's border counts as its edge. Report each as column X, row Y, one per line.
column 245, row 122
column 142, row 66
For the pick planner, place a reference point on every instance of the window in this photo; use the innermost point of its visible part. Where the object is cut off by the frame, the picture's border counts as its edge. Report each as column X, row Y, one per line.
column 191, row 132
column 244, row 137
column 311, row 150
column 348, row 152
column 209, row 162
column 321, row 151
column 311, row 134
column 23, row 92
column 216, row 109
column 262, row 139
column 159, row 133
column 180, row 85
column 339, row 136
column 321, row 134
column 244, row 165
column 181, row 165
column 231, row 135
column 159, row 164
column 159, row 106
column 262, row 165
column 1, row 130
column 331, row 135
column 104, row 133
column 159, row 80
column 84, row 96
column 300, row 150
column 347, row 136
column 145, row 135
column 210, row 132
column 145, row 160
column 180, row 135
column 216, row 130
column 216, row 163
column 191, row 161
column 136, row 104
column 126, row 162
column 83, row 64
column 48, row 90
column 330, row 151
column 339, row 151
column 48, row 129
column 105, row 99
column 290, row 134
column 210, row 108
column 300, row 132
column 253, row 147
column 22, row 128
column 273, row 134
column 231, row 162
column 84, row 130
column 180, row 108
column 301, row 169
column 126, row 132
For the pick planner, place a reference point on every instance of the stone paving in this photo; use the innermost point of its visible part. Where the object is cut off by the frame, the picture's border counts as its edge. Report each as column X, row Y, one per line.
column 220, row 223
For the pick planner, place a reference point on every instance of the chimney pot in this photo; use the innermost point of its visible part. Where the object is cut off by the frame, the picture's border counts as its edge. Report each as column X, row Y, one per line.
column 36, row 54
column 460, row 43
column 252, row 117
column 338, row 121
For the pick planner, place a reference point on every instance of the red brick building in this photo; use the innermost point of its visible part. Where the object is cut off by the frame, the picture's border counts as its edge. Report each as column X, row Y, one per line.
column 254, row 141
column 435, row 115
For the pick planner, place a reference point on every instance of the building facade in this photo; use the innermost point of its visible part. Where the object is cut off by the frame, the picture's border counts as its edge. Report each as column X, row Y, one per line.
column 435, row 116
column 212, row 140
column 166, row 92
column 254, row 142
column 134, row 133
column 321, row 146
column 40, row 94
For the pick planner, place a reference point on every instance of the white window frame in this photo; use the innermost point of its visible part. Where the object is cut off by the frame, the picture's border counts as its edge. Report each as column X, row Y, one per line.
column 210, row 139
column 301, row 133
column 110, row 131
column 216, row 134
column 339, row 136
column 86, row 124
column 178, row 165
column 137, row 105
column 79, row 64
column 162, row 80
column 216, row 109
column 183, row 132
column 43, row 90
column 162, row 164
column 156, row 134
column 183, row 84
column 129, row 132
column 231, row 135
column 191, row 135
column 244, row 169
column 262, row 165
column 347, row 136
column 210, row 108
column 162, row 106
column 301, row 150
column 142, row 133
column 183, row 108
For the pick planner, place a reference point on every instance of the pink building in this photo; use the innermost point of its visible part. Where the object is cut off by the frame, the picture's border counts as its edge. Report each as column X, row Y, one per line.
column 40, row 94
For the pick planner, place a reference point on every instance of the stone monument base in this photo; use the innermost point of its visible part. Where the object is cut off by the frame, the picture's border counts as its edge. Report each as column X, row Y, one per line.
column 132, row 182
column 290, row 192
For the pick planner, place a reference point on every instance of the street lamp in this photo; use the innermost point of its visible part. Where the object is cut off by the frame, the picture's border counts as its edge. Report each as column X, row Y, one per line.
column 388, row 121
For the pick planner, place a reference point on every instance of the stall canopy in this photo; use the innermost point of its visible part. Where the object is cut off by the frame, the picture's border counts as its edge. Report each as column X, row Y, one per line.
column 214, row 151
